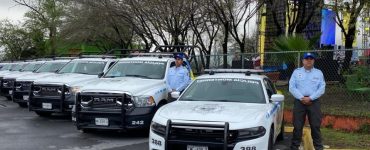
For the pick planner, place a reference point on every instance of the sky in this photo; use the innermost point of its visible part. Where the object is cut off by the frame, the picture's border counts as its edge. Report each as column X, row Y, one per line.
column 10, row 10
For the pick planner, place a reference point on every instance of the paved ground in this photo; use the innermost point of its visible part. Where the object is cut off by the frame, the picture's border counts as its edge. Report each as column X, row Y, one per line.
column 24, row 130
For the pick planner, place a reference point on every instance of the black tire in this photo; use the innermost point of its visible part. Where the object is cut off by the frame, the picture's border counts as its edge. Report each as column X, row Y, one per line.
column 271, row 139
column 87, row 130
column 43, row 114
column 23, row 105
column 280, row 137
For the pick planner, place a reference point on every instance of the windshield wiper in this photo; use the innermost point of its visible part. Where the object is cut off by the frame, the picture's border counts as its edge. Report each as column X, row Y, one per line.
column 110, row 76
column 225, row 100
column 187, row 99
column 136, row 75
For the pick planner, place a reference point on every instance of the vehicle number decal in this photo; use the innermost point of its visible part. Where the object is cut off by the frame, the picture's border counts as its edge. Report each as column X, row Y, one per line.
column 141, row 122
column 248, row 148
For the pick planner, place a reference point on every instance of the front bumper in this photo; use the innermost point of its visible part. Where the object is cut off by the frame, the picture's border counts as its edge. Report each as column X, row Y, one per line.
column 51, row 104
column 166, row 142
column 139, row 118
column 117, row 114
column 21, row 96
column 7, row 91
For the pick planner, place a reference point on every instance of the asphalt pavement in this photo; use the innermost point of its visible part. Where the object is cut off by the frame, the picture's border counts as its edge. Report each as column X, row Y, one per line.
column 24, row 130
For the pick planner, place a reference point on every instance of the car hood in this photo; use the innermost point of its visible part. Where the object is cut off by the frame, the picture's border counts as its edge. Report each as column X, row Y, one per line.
column 125, row 84
column 2, row 74
column 67, row 78
column 213, row 111
column 35, row 76
column 16, row 75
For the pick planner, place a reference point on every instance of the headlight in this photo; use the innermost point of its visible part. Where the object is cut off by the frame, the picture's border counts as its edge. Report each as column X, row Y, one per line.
column 251, row 133
column 72, row 90
column 158, row 128
column 143, row 101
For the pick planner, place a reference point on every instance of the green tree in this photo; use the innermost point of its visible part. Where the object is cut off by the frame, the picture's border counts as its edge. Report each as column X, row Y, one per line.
column 46, row 15
column 15, row 40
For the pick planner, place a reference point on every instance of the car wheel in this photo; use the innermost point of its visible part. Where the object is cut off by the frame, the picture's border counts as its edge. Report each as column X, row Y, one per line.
column 281, row 134
column 87, row 130
column 43, row 114
column 271, row 139
column 23, row 105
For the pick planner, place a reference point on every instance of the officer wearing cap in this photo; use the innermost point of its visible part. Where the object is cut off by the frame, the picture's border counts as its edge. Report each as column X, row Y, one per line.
column 307, row 84
column 178, row 76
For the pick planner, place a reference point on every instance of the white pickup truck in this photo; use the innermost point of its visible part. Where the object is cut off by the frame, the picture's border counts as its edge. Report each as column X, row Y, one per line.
column 23, row 83
column 227, row 109
column 56, row 93
column 126, row 97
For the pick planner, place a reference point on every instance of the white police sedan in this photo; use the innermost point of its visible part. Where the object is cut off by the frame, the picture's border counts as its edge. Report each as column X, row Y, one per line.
column 226, row 109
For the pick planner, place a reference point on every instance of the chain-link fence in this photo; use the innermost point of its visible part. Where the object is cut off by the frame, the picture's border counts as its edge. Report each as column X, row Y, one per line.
column 348, row 80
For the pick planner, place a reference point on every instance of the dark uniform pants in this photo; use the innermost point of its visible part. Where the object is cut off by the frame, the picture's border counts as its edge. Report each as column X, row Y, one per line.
column 313, row 112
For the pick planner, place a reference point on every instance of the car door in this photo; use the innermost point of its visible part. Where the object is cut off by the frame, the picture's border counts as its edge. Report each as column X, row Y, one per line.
column 277, row 108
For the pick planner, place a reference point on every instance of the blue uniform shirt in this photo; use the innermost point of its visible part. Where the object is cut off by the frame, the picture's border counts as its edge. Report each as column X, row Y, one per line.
column 178, row 78
column 307, row 83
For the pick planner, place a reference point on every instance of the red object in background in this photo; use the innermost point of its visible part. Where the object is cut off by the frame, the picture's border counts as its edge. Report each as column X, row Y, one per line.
column 367, row 52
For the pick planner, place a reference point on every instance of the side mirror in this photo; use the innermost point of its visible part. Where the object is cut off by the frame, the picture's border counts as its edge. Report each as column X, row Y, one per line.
column 175, row 94
column 277, row 98
column 100, row 74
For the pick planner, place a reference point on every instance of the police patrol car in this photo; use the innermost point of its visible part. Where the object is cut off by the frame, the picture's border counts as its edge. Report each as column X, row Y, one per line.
column 225, row 110
column 56, row 93
column 23, row 83
column 127, row 96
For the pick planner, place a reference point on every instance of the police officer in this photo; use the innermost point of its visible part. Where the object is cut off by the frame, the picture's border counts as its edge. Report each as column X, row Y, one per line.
column 178, row 76
column 307, row 84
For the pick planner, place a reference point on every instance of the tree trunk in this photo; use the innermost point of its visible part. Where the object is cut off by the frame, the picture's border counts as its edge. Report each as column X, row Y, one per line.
column 224, row 45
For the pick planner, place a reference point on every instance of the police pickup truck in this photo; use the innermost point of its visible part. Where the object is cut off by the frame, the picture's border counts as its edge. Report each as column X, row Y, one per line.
column 127, row 96
column 56, row 93
column 23, row 84
column 226, row 109
column 8, row 80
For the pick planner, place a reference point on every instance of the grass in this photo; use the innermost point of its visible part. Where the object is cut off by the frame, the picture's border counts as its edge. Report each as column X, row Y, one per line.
column 338, row 139
column 337, row 101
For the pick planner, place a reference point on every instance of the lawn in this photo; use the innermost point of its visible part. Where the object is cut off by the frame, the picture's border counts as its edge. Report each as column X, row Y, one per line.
column 340, row 140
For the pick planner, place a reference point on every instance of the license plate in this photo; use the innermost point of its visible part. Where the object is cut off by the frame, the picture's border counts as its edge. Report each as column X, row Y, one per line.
column 46, row 105
column 101, row 121
column 10, row 91
column 26, row 97
column 193, row 147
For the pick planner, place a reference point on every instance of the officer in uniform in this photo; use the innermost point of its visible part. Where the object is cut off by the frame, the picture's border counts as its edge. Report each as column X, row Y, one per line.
column 178, row 76
column 307, row 84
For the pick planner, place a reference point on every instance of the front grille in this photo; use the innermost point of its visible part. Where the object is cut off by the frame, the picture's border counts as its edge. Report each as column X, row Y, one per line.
column 103, row 100
column 205, row 135
column 47, row 90
column 8, row 83
column 23, row 85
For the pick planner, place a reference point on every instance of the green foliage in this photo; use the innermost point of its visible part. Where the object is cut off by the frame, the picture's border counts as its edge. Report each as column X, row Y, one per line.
column 14, row 39
column 359, row 81
column 293, row 43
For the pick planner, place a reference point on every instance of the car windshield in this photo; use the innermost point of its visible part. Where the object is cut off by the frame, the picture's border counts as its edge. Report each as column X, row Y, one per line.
column 225, row 90
column 17, row 67
column 84, row 67
column 51, row 67
column 31, row 67
column 140, row 69
column 5, row 67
